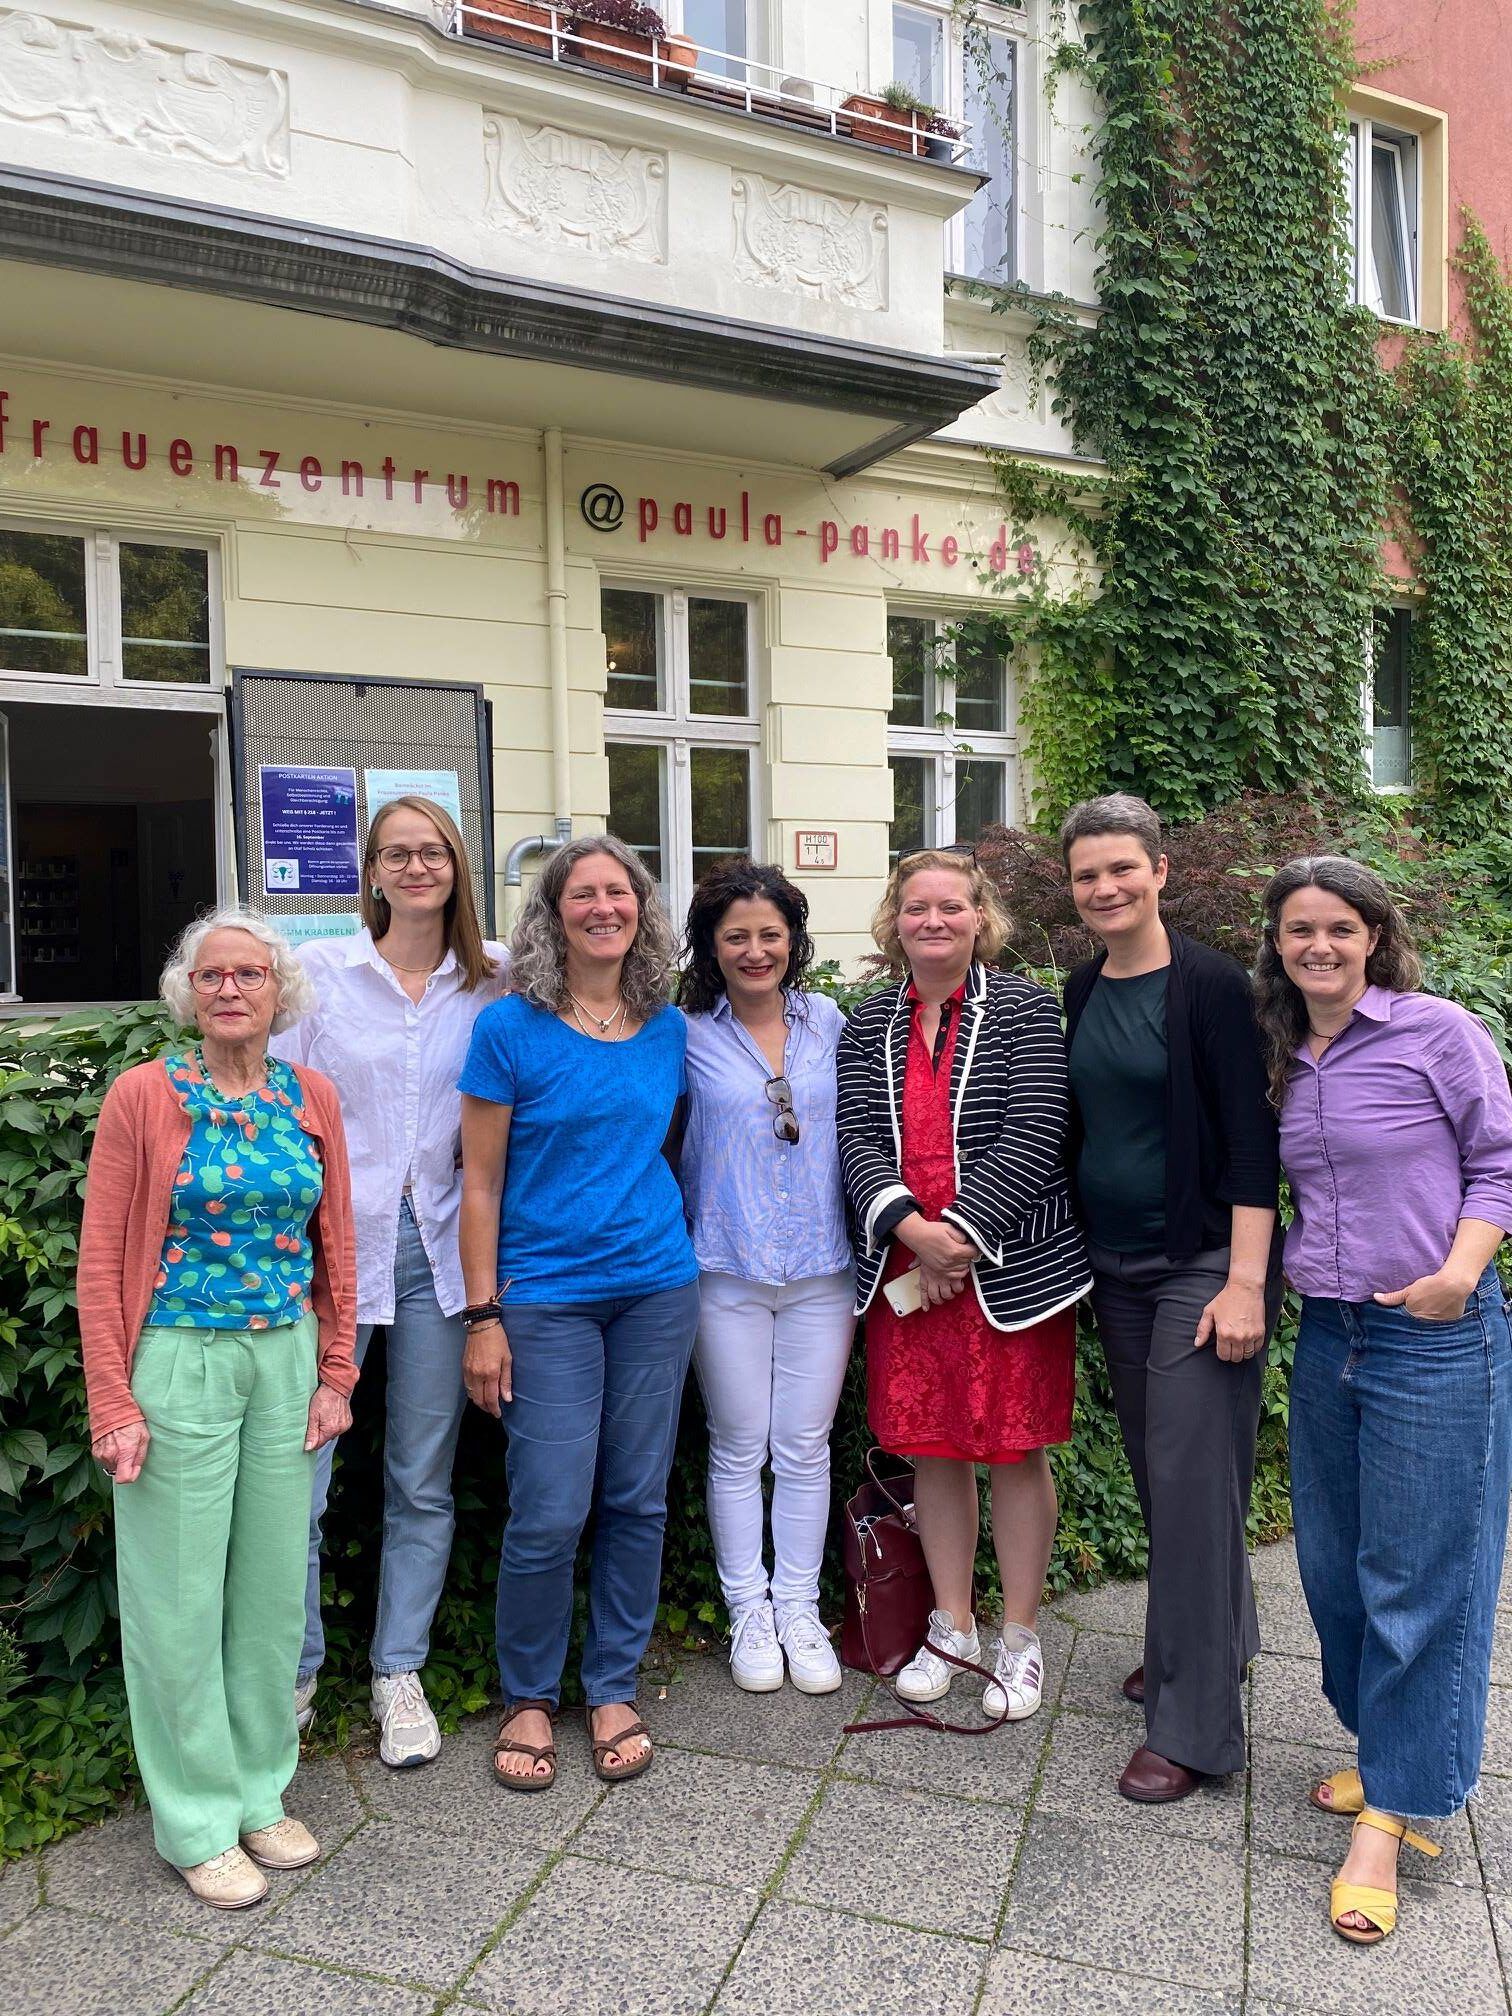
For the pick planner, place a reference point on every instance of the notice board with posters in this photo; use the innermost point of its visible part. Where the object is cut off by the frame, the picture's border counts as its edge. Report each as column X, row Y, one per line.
column 308, row 750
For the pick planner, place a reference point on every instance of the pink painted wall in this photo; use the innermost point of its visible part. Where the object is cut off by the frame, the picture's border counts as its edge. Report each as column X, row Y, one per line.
column 1455, row 55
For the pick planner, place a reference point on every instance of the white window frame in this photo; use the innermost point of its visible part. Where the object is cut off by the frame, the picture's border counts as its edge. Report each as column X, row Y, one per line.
column 1365, row 135
column 675, row 729
column 103, row 681
column 1367, row 706
column 1013, row 23
column 941, row 741
column 753, row 64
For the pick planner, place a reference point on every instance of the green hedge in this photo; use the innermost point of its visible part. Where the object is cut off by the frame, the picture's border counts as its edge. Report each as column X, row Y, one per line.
column 64, row 1746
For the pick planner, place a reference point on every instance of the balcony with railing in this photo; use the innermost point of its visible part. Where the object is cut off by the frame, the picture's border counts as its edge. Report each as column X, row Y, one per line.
column 632, row 41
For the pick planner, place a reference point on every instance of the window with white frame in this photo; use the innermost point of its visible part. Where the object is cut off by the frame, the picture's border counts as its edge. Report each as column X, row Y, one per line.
column 97, row 610
column 1384, row 170
column 1390, row 700
column 951, row 746
column 680, row 730
column 732, row 38
column 968, row 68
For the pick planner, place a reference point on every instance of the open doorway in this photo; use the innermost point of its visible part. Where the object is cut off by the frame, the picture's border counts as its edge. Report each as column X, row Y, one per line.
column 112, row 844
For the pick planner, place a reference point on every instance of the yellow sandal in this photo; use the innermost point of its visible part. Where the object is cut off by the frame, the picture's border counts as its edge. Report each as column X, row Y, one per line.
column 1348, row 1793
column 1379, row 1907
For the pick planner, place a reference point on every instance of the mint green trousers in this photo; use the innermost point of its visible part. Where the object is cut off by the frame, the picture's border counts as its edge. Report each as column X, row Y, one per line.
column 210, row 1563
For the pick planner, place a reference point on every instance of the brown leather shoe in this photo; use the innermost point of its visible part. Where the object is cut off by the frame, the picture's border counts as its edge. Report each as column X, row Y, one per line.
column 1151, row 1780
column 1133, row 1687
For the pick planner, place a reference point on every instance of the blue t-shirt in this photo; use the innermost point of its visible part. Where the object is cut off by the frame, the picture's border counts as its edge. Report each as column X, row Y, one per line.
column 591, row 1211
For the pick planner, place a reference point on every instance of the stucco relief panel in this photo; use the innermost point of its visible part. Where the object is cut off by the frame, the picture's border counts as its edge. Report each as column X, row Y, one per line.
column 565, row 188
column 109, row 84
column 786, row 236
column 1022, row 394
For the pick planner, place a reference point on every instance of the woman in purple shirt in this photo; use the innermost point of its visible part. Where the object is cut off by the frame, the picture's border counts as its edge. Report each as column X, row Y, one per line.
column 1396, row 1138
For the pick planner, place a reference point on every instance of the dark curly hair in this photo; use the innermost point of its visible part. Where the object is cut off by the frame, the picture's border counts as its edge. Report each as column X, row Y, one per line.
column 701, row 983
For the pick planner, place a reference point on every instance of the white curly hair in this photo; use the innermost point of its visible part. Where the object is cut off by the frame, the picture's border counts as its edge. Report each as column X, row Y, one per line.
column 296, row 995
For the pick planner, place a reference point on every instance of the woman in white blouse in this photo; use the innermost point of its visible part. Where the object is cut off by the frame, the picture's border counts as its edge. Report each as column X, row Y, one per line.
column 396, row 1008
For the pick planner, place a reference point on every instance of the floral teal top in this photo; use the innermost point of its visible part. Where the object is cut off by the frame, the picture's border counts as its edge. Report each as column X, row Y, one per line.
column 237, row 1255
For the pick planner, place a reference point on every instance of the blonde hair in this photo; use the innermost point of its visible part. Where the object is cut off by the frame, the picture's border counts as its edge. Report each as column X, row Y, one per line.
column 996, row 927
column 464, row 935
column 296, row 994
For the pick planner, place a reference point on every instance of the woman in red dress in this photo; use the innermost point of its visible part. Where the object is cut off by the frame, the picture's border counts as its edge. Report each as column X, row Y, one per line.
column 953, row 1110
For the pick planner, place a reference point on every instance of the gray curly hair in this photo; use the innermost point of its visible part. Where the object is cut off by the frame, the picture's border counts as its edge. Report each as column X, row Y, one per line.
column 538, row 947
column 296, row 996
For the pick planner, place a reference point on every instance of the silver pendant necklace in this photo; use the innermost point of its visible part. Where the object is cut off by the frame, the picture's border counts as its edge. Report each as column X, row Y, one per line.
column 603, row 1023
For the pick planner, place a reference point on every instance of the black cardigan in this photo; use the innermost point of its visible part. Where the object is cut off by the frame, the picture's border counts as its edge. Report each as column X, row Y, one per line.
column 1220, row 1125
column 1009, row 1106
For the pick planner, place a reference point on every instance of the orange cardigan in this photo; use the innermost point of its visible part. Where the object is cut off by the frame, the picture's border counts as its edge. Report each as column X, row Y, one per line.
column 138, row 1148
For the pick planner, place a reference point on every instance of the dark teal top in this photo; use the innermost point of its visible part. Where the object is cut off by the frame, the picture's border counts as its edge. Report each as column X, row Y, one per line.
column 237, row 1255
column 1118, row 1074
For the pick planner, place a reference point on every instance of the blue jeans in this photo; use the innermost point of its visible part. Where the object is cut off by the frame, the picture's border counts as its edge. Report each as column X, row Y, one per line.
column 1401, row 1459
column 591, row 1428
column 423, row 1413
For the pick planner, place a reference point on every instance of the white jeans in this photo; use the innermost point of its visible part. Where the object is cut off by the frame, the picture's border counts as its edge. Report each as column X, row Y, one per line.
column 770, row 1364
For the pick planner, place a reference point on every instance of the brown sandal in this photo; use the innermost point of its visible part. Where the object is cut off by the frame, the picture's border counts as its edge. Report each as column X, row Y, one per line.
column 613, row 1774
column 532, row 1780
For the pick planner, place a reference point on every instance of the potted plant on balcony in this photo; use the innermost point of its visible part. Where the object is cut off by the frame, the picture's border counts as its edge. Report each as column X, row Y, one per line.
column 524, row 24
column 622, row 33
column 888, row 119
column 941, row 135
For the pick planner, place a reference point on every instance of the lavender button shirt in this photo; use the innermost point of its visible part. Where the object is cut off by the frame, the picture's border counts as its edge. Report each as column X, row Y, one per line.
column 1400, row 1129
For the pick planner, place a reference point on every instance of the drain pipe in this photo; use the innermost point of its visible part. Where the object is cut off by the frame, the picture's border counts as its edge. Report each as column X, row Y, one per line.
column 556, row 658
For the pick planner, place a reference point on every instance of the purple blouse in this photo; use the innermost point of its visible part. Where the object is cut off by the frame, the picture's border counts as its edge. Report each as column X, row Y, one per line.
column 1400, row 1129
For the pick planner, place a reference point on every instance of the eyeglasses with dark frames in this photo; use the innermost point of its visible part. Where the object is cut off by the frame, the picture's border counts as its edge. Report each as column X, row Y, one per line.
column 396, row 859
column 785, row 1120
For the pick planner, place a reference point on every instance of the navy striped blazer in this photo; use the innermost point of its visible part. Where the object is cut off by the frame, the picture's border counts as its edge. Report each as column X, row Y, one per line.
column 1010, row 1110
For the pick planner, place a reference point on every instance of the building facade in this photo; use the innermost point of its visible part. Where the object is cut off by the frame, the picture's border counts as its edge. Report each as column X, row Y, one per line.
column 403, row 394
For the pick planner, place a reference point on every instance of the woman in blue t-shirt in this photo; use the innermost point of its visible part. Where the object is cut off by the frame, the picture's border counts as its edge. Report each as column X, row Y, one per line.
column 582, row 1289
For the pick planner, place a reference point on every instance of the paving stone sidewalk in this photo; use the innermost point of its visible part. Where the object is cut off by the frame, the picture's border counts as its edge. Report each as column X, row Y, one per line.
column 770, row 1866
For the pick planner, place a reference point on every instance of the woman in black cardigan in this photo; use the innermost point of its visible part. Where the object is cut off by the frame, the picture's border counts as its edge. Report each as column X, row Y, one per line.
column 952, row 1115
column 1174, row 1163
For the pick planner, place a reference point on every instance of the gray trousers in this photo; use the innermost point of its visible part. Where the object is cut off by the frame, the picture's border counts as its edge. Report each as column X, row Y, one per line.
column 1189, row 1421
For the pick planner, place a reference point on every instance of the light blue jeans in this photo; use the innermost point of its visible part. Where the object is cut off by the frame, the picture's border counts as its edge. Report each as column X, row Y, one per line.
column 423, row 1407
column 591, row 1428
column 1401, row 1461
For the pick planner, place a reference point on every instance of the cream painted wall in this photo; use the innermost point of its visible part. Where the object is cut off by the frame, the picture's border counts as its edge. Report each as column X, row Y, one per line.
column 412, row 586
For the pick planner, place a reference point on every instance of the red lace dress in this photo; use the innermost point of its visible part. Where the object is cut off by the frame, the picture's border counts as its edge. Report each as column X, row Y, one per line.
column 943, row 1382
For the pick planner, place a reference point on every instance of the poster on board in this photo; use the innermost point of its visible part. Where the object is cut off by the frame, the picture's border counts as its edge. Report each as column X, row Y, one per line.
column 440, row 786
column 309, row 829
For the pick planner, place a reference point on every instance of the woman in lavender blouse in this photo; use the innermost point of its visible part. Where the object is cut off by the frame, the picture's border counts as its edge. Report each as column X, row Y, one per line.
column 1396, row 1138
column 761, row 1180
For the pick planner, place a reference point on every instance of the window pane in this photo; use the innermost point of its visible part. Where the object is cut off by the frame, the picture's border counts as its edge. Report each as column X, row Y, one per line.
column 42, row 611
column 980, row 686
column 719, row 25
column 717, row 670
column 912, row 645
column 165, row 614
column 910, row 820
column 979, row 795
column 1391, row 281
column 990, row 113
column 637, row 801
column 918, row 54
column 720, row 783
column 634, row 642
column 1391, row 736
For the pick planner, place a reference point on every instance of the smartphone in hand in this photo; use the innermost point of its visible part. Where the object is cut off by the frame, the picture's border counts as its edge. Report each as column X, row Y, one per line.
column 906, row 1294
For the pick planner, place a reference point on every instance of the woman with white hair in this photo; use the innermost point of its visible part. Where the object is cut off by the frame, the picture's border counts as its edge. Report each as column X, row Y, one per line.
column 217, row 1311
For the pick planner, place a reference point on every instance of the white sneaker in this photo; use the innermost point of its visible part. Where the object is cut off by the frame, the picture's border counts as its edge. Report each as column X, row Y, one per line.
column 927, row 1676
column 287, row 1844
column 811, row 1662
column 408, row 1731
column 229, row 1881
column 755, row 1655
column 1020, row 1670
column 304, row 1702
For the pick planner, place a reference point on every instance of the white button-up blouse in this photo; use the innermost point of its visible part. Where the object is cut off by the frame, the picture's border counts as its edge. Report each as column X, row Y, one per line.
column 395, row 1064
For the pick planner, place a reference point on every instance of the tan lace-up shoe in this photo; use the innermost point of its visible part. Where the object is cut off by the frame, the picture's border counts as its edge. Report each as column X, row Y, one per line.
column 287, row 1844
column 227, row 1881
